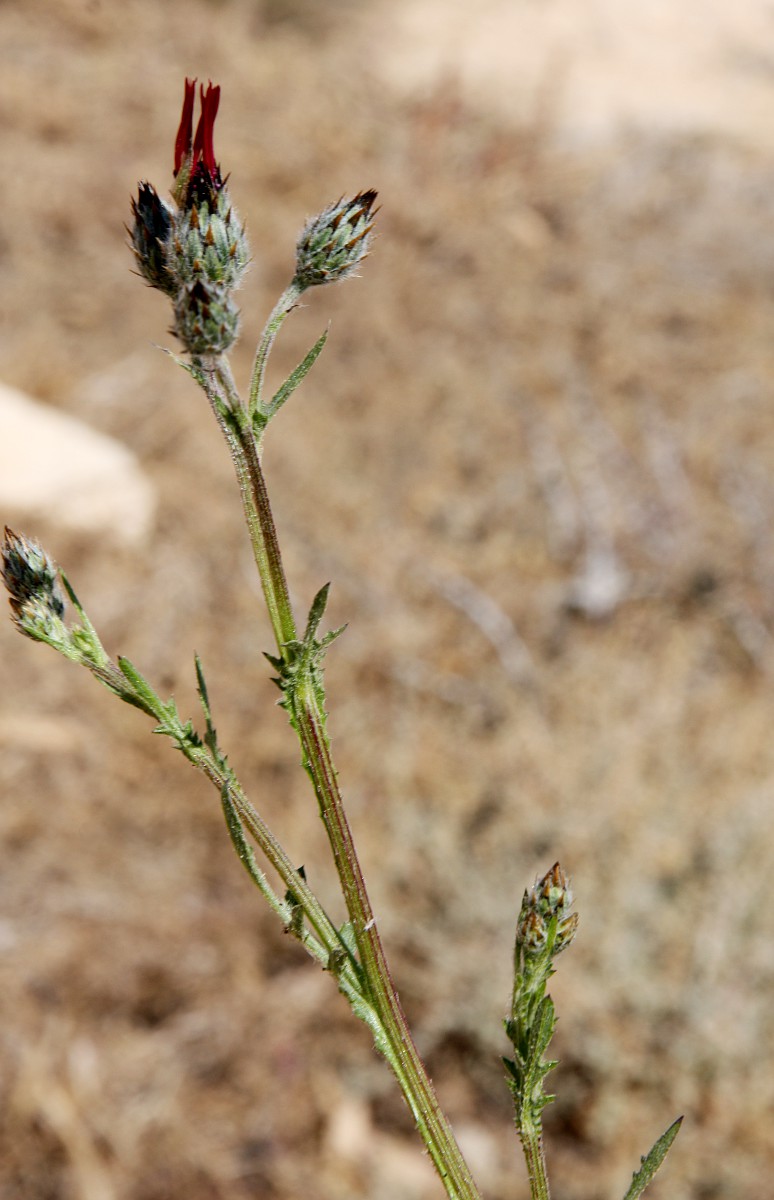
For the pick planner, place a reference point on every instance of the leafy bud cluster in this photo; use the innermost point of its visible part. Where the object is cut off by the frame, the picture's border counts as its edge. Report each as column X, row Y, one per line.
column 196, row 251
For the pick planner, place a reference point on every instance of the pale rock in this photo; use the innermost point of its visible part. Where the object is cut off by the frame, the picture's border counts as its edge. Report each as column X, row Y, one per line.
column 53, row 468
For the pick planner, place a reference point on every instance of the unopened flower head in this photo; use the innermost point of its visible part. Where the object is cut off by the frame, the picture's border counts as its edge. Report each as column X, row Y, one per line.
column 34, row 591
column 150, row 238
column 208, row 243
column 206, row 318
column 550, row 898
column 333, row 244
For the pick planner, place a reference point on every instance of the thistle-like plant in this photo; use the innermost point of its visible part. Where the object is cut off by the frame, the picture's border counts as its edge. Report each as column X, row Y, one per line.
column 194, row 250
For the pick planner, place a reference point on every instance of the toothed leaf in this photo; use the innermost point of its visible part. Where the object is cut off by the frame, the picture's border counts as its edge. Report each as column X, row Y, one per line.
column 652, row 1161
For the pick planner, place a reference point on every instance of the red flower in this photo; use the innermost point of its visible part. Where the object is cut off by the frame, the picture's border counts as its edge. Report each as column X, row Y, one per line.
column 195, row 150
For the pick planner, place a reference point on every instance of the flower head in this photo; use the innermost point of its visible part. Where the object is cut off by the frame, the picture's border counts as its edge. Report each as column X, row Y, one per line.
column 32, row 580
column 333, row 244
column 150, row 235
column 195, row 251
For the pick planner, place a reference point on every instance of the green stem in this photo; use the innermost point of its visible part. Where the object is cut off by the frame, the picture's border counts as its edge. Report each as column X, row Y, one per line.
column 286, row 303
column 400, row 1049
column 235, row 428
column 532, row 1142
column 392, row 1033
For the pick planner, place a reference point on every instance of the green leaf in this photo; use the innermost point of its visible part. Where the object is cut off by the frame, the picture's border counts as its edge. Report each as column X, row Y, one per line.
column 71, row 594
column 211, row 737
column 652, row 1161
column 316, row 613
column 327, row 638
column 543, row 1029
column 202, row 690
column 142, row 688
column 245, row 853
column 348, row 939
column 86, row 637
column 291, row 383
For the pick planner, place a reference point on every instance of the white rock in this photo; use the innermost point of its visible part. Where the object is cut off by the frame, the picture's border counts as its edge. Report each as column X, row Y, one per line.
column 55, row 468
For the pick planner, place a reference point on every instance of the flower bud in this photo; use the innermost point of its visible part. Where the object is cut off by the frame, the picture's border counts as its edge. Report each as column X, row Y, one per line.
column 206, row 319
column 208, row 242
column 150, row 237
column 32, row 580
column 550, row 898
column 333, row 244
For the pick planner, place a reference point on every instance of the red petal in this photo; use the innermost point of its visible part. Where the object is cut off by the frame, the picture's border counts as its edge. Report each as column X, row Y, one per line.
column 183, row 139
column 203, row 139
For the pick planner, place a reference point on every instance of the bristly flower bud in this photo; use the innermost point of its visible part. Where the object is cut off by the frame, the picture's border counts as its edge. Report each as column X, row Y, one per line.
column 333, row 244
column 32, row 580
column 150, row 235
column 550, row 898
column 206, row 318
column 208, row 242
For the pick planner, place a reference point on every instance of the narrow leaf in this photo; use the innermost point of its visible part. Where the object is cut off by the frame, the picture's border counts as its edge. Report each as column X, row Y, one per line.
column 71, row 594
column 543, row 1029
column 274, row 661
column 202, row 690
column 652, row 1161
column 190, row 368
column 211, row 737
column 295, row 378
column 246, row 855
column 316, row 613
column 331, row 637
column 86, row 637
column 142, row 688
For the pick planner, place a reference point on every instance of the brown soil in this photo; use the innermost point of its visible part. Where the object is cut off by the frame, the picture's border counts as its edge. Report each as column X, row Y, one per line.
column 536, row 462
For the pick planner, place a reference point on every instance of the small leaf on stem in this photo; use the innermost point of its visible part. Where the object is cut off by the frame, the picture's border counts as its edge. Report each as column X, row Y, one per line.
column 284, row 392
column 652, row 1161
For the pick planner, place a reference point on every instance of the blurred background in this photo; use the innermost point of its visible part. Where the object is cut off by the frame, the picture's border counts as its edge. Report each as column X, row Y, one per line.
column 535, row 460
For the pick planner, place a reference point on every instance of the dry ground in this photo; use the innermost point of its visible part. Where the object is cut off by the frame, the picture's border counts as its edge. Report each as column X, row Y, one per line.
column 536, row 463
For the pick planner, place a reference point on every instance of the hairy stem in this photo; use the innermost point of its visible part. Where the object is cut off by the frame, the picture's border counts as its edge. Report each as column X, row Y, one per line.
column 532, row 1142
column 234, row 425
column 393, row 1035
column 285, row 305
